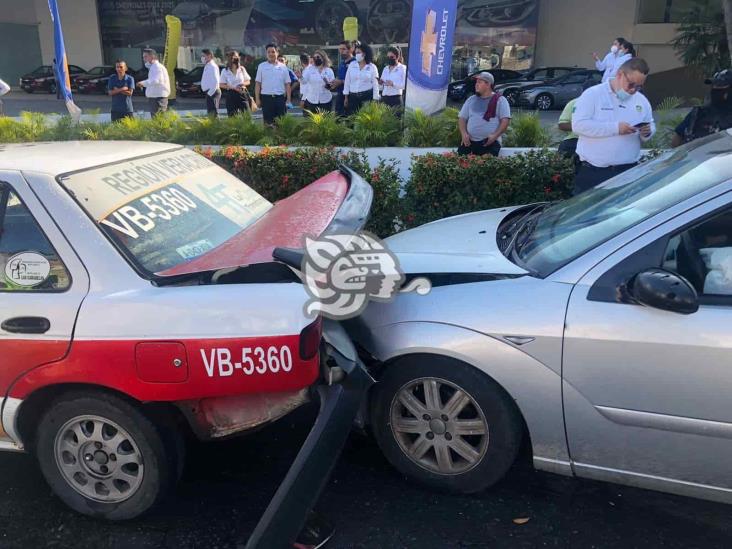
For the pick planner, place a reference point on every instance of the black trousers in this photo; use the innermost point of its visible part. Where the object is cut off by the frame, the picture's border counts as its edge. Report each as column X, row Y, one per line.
column 393, row 101
column 212, row 103
column 313, row 107
column 236, row 102
column 357, row 100
column 589, row 176
column 479, row 149
column 119, row 115
column 339, row 108
column 273, row 106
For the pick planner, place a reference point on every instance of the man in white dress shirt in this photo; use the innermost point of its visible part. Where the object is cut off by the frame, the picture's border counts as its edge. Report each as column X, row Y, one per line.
column 157, row 84
column 612, row 120
column 210, row 83
column 272, row 88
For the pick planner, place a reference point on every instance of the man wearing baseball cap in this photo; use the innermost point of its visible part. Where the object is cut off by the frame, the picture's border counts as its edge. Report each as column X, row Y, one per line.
column 713, row 117
column 483, row 119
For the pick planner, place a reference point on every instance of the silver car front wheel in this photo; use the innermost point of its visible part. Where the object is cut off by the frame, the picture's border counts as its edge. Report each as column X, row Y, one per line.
column 445, row 423
column 439, row 426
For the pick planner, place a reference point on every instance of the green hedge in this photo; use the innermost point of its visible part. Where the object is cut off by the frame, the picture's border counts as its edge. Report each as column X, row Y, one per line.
column 439, row 185
column 375, row 125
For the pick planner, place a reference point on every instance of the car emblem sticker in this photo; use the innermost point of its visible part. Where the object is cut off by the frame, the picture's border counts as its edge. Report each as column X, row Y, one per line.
column 27, row 269
column 343, row 272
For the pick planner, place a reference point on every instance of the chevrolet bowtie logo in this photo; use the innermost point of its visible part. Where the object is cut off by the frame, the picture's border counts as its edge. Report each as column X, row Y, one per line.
column 428, row 44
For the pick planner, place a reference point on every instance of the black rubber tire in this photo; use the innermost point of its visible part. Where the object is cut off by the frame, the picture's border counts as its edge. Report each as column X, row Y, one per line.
column 505, row 424
column 551, row 102
column 52, row 89
column 160, row 446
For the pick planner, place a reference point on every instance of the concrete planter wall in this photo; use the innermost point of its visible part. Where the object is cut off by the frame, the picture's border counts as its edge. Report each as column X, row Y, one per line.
column 402, row 155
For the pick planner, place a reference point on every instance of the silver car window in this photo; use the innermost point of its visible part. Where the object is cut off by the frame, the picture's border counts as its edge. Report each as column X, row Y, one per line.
column 570, row 228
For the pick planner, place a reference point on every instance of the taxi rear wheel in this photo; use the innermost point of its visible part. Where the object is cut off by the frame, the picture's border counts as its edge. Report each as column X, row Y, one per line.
column 445, row 424
column 104, row 457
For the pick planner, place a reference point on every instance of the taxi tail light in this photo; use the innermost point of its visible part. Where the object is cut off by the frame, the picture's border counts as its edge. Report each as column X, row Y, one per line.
column 310, row 339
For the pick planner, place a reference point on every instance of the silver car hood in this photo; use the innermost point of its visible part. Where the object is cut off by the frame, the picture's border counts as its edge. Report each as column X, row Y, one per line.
column 460, row 244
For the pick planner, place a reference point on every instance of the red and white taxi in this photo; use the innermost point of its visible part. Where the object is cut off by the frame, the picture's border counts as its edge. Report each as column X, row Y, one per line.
column 139, row 300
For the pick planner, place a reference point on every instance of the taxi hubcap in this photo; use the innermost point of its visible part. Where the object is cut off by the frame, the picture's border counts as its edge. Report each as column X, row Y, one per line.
column 99, row 459
column 439, row 426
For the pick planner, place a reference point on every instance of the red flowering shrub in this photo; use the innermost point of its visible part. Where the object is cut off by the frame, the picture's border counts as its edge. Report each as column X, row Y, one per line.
column 442, row 185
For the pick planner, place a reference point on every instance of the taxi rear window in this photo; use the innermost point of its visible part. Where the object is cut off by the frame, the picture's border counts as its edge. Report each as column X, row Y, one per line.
column 166, row 209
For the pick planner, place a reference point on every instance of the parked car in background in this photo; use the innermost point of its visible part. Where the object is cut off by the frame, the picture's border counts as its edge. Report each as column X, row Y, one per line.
column 42, row 79
column 558, row 92
column 534, row 76
column 140, row 302
column 597, row 330
column 189, row 84
column 93, row 81
column 460, row 90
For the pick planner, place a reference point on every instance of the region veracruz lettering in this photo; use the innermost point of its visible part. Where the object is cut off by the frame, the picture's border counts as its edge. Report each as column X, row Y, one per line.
column 140, row 176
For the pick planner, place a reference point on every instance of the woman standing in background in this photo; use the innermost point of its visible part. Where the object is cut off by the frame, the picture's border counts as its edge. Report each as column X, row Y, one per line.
column 393, row 79
column 317, row 79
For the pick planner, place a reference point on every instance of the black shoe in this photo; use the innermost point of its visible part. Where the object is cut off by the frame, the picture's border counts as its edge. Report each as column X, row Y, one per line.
column 315, row 534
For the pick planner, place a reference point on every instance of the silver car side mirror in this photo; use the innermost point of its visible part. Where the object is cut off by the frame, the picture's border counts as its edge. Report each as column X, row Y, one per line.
column 665, row 290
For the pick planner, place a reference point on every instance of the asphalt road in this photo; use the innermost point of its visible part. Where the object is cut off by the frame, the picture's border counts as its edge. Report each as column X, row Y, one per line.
column 227, row 485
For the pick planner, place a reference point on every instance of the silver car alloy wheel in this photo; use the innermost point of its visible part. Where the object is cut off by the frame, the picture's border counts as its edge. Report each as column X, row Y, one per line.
column 544, row 102
column 99, row 459
column 439, row 426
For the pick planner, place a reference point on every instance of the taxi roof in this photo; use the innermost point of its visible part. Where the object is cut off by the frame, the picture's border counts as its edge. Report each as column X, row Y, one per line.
column 60, row 157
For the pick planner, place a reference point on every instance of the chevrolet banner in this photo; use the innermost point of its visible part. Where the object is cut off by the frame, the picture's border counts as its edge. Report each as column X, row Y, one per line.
column 430, row 54
column 172, row 42
column 61, row 65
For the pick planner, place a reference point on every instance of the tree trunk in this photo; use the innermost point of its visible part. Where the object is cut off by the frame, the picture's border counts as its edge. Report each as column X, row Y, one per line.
column 727, row 5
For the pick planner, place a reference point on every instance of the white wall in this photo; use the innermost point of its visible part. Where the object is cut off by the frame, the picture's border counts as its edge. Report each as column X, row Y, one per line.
column 81, row 31
column 570, row 30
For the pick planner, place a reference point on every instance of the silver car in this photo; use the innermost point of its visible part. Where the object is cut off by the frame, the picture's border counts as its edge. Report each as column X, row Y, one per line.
column 598, row 330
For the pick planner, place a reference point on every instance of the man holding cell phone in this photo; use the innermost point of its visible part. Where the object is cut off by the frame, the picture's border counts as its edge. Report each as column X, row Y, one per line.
column 612, row 120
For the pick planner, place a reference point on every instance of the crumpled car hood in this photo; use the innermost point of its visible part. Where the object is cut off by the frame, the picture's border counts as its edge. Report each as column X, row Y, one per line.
column 461, row 244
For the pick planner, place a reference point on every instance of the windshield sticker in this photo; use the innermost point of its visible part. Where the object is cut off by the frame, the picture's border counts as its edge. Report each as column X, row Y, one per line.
column 194, row 249
column 27, row 269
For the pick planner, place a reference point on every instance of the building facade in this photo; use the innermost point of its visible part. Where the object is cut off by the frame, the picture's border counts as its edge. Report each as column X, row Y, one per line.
column 515, row 34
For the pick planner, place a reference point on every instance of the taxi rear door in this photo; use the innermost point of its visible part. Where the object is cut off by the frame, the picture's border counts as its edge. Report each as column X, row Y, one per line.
column 42, row 283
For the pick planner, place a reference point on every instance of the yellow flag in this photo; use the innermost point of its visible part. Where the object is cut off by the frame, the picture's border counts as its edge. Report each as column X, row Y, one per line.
column 350, row 28
column 170, row 57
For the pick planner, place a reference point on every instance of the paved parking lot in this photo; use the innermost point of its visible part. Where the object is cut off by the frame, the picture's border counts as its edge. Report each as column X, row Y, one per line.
column 227, row 485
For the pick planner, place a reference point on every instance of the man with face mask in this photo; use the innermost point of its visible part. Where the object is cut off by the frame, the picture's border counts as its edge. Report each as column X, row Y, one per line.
column 612, row 120
column 157, row 84
column 714, row 117
column 607, row 64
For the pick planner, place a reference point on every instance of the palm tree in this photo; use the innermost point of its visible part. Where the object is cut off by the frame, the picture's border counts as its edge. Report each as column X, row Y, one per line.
column 701, row 38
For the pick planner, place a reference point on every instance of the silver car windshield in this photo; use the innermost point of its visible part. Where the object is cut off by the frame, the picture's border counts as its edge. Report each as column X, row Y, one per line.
column 566, row 230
